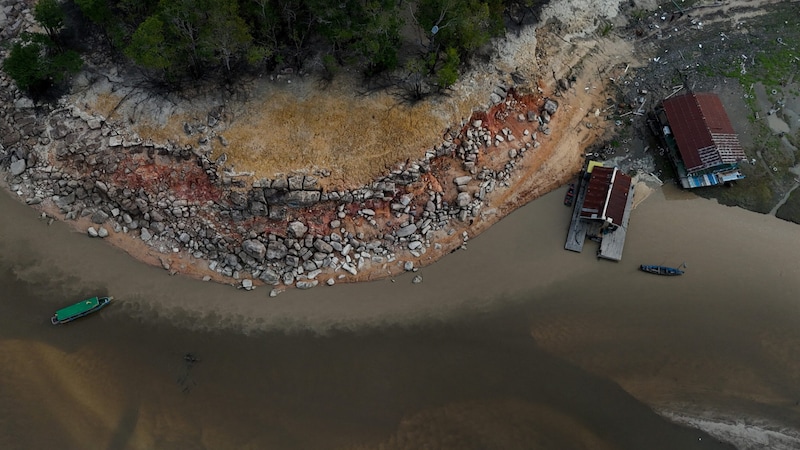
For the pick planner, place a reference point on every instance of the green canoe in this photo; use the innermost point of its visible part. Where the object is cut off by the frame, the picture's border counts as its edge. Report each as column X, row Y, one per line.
column 79, row 309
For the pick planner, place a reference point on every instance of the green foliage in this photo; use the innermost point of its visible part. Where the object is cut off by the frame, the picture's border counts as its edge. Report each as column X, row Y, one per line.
column 50, row 16
column 448, row 73
column 147, row 47
column 176, row 39
column 35, row 64
column 185, row 37
column 463, row 25
column 331, row 67
column 25, row 64
column 605, row 28
column 381, row 37
column 97, row 11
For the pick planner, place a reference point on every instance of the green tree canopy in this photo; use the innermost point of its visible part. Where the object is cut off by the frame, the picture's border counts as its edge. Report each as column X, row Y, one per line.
column 35, row 64
column 50, row 16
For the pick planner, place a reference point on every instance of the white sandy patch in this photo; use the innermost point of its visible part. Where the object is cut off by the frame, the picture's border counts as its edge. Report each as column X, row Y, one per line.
column 744, row 433
column 644, row 185
column 580, row 17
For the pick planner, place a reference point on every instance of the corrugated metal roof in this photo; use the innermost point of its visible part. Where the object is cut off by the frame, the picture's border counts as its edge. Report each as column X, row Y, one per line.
column 702, row 130
column 606, row 195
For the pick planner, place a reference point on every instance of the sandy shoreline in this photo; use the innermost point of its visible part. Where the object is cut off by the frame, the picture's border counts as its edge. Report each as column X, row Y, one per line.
column 745, row 431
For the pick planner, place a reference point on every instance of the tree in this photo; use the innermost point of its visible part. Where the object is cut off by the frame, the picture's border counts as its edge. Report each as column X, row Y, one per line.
column 226, row 34
column 35, row 64
column 97, row 11
column 380, row 38
column 448, row 73
column 147, row 47
column 25, row 65
column 50, row 16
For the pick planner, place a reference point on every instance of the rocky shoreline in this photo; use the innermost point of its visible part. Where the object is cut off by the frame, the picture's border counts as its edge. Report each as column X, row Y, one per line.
column 286, row 231
column 88, row 169
column 180, row 206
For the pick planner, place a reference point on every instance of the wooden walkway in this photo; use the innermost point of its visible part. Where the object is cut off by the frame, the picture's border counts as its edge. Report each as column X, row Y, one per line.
column 577, row 227
column 611, row 244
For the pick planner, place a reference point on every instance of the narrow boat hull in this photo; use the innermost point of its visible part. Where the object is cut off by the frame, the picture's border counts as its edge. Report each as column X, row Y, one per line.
column 661, row 270
column 80, row 309
column 570, row 195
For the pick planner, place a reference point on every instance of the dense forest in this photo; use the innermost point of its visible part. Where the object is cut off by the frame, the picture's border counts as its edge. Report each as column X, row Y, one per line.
column 423, row 43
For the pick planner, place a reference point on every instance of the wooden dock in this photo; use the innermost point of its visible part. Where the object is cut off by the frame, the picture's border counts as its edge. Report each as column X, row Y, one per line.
column 577, row 227
column 611, row 243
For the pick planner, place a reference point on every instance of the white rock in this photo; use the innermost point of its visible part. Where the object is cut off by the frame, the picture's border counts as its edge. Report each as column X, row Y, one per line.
column 92, row 232
column 17, row 167
column 306, row 284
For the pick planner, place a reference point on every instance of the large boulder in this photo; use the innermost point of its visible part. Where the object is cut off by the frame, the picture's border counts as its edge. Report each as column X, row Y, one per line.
column 550, row 106
column 276, row 250
column 99, row 217
column 407, row 230
column 259, row 209
column 306, row 284
column 298, row 199
column 255, row 248
column 297, row 229
column 17, row 167
column 323, row 246
column 463, row 199
column 461, row 181
column 269, row 276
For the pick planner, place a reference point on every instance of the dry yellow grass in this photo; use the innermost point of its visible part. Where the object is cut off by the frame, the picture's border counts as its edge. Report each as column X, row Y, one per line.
column 356, row 138
column 172, row 130
column 105, row 104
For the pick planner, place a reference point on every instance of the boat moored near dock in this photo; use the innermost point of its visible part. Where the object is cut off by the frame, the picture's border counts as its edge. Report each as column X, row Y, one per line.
column 570, row 195
column 662, row 270
column 80, row 309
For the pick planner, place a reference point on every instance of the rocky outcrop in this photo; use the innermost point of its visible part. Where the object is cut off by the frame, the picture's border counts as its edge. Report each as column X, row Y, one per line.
column 183, row 198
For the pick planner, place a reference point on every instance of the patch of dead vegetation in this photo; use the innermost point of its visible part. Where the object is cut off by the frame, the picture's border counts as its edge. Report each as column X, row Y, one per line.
column 356, row 138
column 171, row 131
column 105, row 104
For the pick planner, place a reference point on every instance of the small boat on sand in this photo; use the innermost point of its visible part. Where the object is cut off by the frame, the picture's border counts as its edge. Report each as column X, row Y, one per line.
column 570, row 195
column 80, row 309
column 662, row 270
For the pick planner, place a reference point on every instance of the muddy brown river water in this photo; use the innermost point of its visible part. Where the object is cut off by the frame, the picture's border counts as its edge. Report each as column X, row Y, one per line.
column 513, row 343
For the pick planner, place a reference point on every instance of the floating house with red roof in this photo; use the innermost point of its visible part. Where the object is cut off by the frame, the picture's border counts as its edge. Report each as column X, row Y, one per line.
column 606, row 196
column 703, row 145
column 602, row 210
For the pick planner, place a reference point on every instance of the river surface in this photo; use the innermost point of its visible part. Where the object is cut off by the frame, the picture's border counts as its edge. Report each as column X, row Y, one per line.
column 513, row 343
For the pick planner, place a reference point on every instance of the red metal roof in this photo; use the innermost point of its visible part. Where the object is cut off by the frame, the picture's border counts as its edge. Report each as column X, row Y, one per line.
column 606, row 195
column 702, row 130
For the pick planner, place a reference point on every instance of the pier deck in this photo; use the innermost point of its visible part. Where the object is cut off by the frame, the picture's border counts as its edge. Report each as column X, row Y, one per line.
column 577, row 227
column 611, row 243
